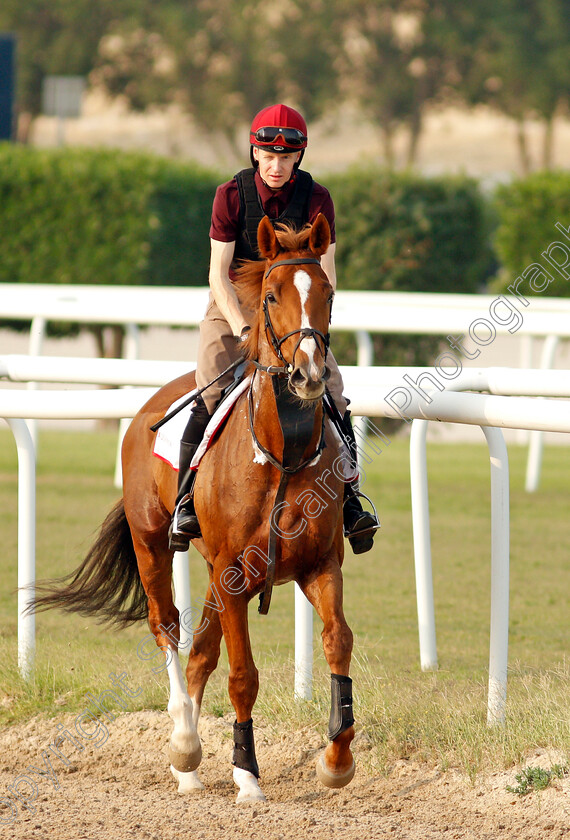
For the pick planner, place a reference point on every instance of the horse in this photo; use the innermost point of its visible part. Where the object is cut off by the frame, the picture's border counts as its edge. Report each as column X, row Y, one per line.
column 261, row 516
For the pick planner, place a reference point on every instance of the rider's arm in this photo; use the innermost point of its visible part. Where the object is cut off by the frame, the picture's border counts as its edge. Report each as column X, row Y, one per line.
column 327, row 263
column 221, row 256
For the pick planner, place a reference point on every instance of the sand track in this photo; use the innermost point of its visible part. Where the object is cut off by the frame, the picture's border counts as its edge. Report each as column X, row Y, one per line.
column 122, row 788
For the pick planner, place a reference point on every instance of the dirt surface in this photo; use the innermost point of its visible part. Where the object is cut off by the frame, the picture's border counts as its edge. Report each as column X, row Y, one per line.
column 120, row 787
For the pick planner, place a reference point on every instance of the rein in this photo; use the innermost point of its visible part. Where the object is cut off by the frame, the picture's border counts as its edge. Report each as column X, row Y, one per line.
column 281, row 467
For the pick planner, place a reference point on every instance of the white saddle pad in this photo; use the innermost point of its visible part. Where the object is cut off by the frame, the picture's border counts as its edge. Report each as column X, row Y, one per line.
column 167, row 442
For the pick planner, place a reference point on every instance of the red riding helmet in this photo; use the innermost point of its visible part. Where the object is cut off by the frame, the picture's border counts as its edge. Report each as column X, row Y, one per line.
column 278, row 128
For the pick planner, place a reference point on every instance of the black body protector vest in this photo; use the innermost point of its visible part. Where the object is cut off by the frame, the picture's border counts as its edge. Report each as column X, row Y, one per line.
column 251, row 211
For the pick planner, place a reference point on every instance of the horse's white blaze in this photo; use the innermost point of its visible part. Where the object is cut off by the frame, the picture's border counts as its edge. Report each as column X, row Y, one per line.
column 249, row 790
column 302, row 283
column 184, row 738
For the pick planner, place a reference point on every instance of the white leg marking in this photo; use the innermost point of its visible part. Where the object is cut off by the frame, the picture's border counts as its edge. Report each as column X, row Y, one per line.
column 184, row 738
column 187, row 782
column 195, row 711
column 249, row 790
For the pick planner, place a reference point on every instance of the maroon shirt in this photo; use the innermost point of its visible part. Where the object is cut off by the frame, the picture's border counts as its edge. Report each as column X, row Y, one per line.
column 225, row 210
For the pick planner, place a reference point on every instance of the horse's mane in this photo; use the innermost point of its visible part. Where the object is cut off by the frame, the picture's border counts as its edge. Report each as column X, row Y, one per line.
column 249, row 276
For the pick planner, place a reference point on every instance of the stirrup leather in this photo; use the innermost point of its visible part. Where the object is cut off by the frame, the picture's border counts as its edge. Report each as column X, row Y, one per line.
column 181, row 502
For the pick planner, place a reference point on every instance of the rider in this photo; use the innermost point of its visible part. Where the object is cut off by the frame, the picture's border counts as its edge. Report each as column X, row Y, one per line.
column 276, row 187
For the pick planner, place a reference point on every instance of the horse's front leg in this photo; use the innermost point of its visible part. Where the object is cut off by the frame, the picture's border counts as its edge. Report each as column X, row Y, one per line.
column 243, row 685
column 202, row 660
column 335, row 767
column 184, row 751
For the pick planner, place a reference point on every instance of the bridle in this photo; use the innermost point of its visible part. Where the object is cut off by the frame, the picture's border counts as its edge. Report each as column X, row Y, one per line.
column 305, row 332
column 287, row 368
column 285, row 371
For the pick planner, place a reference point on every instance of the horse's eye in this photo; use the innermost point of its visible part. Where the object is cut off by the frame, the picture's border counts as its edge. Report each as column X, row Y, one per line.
column 331, row 298
column 270, row 297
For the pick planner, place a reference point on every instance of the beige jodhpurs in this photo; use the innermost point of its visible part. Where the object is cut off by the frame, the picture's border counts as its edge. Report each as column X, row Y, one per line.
column 218, row 348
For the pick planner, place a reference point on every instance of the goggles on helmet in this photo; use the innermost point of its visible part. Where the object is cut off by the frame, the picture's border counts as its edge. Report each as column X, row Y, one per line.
column 291, row 137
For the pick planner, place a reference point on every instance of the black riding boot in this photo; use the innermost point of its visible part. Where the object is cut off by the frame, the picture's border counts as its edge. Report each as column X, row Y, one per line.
column 185, row 526
column 359, row 524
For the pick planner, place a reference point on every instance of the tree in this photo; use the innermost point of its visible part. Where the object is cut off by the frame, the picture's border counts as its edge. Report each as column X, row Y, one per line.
column 373, row 65
column 523, row 66
column 137, row 65
column 397, row 58
column 57, row 37
column 237, row 56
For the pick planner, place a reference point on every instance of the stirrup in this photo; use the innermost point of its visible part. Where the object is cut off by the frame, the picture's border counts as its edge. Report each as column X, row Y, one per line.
column 362, row 539
column 179, row 540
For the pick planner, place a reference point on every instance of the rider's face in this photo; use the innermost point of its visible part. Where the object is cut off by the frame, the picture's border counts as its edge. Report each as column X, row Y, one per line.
column 275, row 169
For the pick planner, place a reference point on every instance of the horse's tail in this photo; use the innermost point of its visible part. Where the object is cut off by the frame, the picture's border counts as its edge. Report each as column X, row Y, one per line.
column 106, row 584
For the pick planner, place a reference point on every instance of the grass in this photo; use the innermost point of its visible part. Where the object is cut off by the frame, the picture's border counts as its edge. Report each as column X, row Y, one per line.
column 401, row 712
column 536, row 779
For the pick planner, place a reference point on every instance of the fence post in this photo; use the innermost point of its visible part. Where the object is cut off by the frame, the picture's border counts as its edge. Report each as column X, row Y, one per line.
column 26, row 544
column 422, row 545
column 499, row 634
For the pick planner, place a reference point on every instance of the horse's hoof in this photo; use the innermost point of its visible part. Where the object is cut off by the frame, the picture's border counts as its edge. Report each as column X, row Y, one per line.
column 255, row 796
column 249, row 790
column 185, row 762
column 187, row 782
column 330, row 779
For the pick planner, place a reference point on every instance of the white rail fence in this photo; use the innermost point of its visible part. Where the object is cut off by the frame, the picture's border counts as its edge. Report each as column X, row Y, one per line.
column 374, row 392
column 360, row 312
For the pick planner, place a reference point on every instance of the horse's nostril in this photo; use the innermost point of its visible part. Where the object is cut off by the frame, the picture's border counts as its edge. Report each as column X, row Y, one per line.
column 299, row 377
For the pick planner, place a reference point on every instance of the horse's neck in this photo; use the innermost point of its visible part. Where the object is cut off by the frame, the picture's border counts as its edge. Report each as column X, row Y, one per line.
column 283, row 425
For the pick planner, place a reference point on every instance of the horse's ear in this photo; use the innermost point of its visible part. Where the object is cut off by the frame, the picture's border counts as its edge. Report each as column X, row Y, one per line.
column 267, row 240
column 320, row 237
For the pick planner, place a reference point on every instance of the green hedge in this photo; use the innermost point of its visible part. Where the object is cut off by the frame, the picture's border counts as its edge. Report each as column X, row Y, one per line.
column 527, row 211
column 405, row 232
column 104, row 217
column 109, row 217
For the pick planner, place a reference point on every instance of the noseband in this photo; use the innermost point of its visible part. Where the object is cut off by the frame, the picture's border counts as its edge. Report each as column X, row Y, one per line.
column 305, row 332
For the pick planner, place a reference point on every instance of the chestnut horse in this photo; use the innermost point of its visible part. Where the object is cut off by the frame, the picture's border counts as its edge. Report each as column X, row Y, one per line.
column 256, row 501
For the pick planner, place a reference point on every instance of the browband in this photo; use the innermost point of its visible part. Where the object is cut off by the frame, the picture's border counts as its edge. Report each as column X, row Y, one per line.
column 292, row 261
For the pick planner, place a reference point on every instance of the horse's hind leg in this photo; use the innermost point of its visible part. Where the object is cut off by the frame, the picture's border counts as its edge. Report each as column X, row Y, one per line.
column 335, row 767
column 155, row 567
